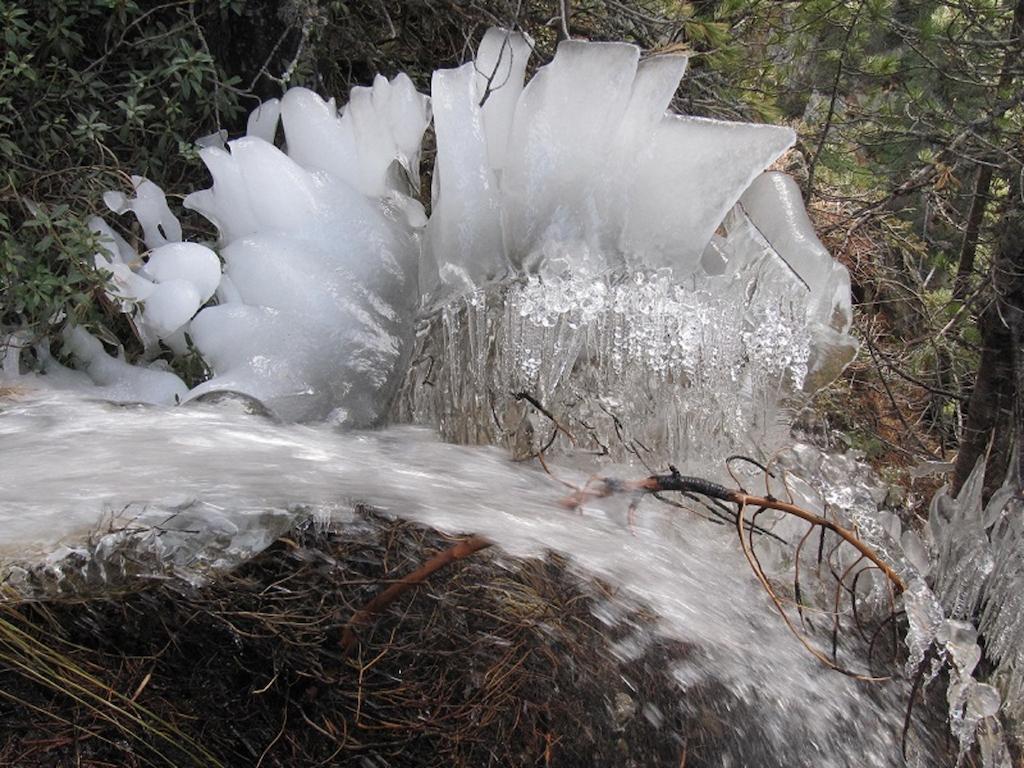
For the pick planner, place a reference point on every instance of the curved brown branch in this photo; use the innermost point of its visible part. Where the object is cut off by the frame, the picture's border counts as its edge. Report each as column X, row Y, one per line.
column 687, row 484
column 745, row 529
column 804, row 641
column 848, row 536
column 461, row 550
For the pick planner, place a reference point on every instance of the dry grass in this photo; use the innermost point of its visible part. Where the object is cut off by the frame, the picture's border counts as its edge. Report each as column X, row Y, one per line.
column 495, row 661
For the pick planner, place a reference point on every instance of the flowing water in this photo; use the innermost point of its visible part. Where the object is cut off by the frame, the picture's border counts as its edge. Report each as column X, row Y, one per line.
column 72, row 468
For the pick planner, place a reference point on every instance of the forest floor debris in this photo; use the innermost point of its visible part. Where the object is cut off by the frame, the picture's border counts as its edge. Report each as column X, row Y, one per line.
column 493, row 661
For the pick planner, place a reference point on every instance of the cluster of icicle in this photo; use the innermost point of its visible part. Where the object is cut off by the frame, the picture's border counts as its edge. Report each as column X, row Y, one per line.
column 969, row 583
column 965, row 585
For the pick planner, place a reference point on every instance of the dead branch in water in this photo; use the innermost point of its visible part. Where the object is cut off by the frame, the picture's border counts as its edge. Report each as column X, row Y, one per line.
column 383, row 599
column 674, row 481
column 746, row 529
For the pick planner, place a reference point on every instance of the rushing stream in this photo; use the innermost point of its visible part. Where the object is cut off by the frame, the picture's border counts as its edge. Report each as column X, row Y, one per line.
column 217, row 483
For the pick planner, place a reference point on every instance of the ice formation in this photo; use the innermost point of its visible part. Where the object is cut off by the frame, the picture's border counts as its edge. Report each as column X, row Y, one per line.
column 632, row 269
column 977, row 565
column 314, row 311
column 964, row 578
column 585, row 238
column 315, row 305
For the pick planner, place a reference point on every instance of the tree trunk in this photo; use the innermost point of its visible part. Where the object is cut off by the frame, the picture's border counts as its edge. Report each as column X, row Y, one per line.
column 995, row 412
column 983, row 180
column 969, row 246
column 990, row 411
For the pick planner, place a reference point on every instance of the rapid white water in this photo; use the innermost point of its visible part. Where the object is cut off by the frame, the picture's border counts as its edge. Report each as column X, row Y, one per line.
column 70, row 465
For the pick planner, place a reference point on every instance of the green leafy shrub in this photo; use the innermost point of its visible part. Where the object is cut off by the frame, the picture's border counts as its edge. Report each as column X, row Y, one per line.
column 90, row 91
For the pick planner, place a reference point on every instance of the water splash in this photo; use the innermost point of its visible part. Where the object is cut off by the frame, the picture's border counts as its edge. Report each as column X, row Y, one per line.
column 69, row 463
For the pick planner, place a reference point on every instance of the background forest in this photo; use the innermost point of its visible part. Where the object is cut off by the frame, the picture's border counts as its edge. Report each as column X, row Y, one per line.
column 909, row 116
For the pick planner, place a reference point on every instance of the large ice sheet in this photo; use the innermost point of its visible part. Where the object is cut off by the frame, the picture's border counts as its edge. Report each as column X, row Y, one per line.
column 775, row 206
column 590, row 158
column 692, row 174
column 464, row 231
column 563, row 125
column 320, row 251
column 317, row 312
column 320, row 274
column 500, row 68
